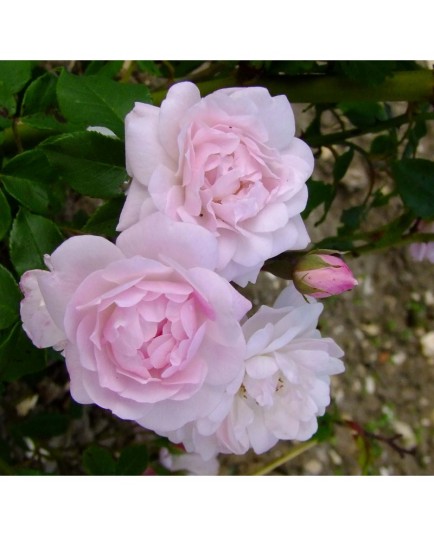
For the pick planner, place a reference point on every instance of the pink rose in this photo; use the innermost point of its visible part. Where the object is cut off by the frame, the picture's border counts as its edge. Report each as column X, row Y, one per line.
column 320, row 275
column 150, row 332
column 228, row 162
column 286, row 383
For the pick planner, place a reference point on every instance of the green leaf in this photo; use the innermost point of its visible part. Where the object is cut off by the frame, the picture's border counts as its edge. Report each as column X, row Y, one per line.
column 7, row 106
column 40, row 96
column 325, row 430
column 89, row 162
column 132, row 461
column 319, row 192
column 27, row 178
column 40, row 108
column 98, row 101
column 42, row 425
column 383, row 145
column 414, row 180
column 106, row 217
column 108, row 69
column 15, row 74
column 18, row 356
column 10, row 298
column 368, row 73
column 363, row 114
column 31, row 237
column 5, row 215
column 351, row 218
column 149, row 66
column 341, row 165
column 98, row 461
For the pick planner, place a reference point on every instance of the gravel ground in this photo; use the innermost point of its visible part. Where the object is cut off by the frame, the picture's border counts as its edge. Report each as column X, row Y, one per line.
column 386, row 328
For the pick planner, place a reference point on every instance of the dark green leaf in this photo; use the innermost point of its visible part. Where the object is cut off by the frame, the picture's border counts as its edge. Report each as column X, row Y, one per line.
column 319, row 192
column 290, row 67
column 98, row 101
column 325, row 428
column 383, row 145
column 351, row 217
column 40, row 108
column 106, row 217
column 40, row 96
column 149, row 67
column 27, row 178
column 5, row 215
column 108, row 69
column 341, row 165
column 98, row 461
column 91, row 163
column 415, row 183
column 18, row 356
column 363, row 114
column 414, row 136
column 335, row 242
column 31, row 237
column 15, row 74
column 132, row 461
column 7, row 106
column 42, row 425
column 10, row 298
column 368, row 73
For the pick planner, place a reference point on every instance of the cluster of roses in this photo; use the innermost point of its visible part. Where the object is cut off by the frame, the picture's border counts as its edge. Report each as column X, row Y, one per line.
column 151, row 327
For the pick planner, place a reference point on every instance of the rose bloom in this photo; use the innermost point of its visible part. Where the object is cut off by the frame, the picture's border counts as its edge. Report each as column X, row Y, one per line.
column 320, row 275
column 153, row 337
column 286, row 383
column 228, row 162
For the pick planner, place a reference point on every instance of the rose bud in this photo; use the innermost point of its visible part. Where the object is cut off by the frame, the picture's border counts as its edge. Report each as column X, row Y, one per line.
column 321, row 275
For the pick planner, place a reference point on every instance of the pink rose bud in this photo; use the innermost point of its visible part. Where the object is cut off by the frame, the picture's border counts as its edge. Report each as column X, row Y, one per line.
column 321, row 275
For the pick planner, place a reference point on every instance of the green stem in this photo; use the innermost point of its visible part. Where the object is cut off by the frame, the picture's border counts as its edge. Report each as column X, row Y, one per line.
column 288, row 456
column 403, row 86
column 316, row 89
column 341, row 137
column 373, row 246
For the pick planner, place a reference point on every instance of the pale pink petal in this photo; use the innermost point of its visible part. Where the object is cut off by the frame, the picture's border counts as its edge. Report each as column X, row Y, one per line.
column 143, row 149
column 37, row 322
column 157, row 236
column 180, row 98
column 138, row 205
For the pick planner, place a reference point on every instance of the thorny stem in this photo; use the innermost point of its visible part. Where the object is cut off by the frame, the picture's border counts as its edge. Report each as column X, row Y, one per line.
column 288, row 456
column 374, row 246
column 358, row 430
column 402, row 86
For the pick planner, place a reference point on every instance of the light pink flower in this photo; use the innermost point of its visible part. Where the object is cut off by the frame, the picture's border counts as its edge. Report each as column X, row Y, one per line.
column 286, row 383
column 421, row 251
column 150, row 332
column 320, row 275
column 228, row 162
column 191, row 463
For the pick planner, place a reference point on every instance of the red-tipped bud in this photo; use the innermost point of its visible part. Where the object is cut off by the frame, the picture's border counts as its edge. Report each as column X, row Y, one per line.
column 321, row 275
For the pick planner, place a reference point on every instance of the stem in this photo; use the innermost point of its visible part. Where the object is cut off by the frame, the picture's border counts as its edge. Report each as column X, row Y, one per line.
column 315, row 89
column 373, row 247
column 340, row 137
column 290, row 455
